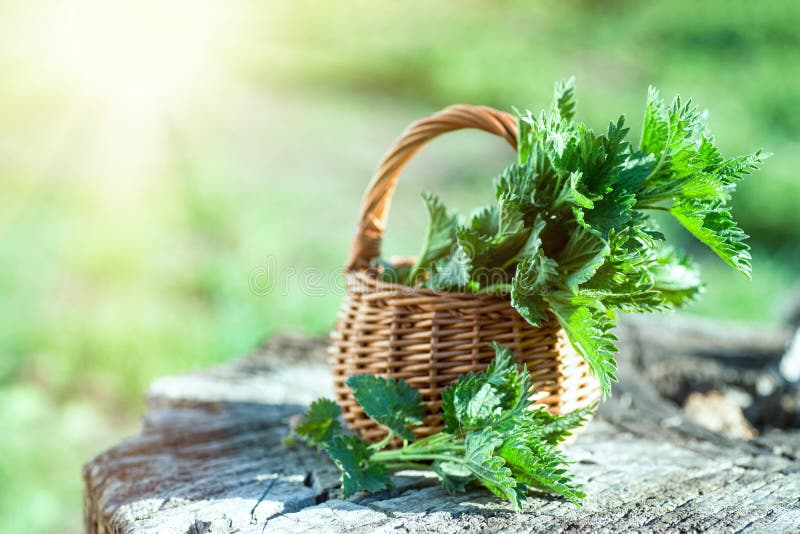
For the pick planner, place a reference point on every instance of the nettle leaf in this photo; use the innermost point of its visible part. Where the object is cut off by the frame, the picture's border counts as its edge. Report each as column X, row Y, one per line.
column 507, row 449
column 482, row 399
column 583, row 254
column 485, row 221
column 491, row 470
column 571, row 230
column 535, row 277
column 389, row 402
column 439, row 237
column 454, row 475
column 321, row 422
column 626, row 281
column 552, row 429
column 589, row 332
column 735, row 169
column 655, row 132
column 451, row 274
column 676, row 278
column 712, row 223
column 512, row 382
column 691, row 178
column 568, row 193
column 564, row 98
column 352, row 457
column 610, row 214
column 496, row 250
column 518, row 182
column 533, row 243
column 538, row 465
column 524, row 135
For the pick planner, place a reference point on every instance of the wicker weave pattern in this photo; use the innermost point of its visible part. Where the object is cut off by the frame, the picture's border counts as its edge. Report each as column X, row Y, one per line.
column 427, row 337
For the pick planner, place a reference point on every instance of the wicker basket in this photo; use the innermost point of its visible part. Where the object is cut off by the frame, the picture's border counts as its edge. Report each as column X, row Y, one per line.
column 429, row 337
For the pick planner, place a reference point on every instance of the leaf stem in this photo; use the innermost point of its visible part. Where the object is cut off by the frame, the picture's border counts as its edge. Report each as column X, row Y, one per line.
column 401, row 455
column 383, row 443
column 409, row 465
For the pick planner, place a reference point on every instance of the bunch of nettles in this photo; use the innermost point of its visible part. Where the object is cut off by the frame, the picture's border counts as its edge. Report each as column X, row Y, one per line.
column 492, row 435
column 570, row 235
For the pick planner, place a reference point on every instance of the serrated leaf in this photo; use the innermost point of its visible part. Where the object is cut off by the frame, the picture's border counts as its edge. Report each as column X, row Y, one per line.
column 550, row 428
column 454, row 475
column 569, row 193
column 451, row 274
column 535, row 277
column 676, row 278
column 735, row 168
column 439, row 237
column 321, row 422
column 564, row 98
column 713, row 225
column 485, row 220
column 583, row 254
column 488, row 397
column 389, row 402
column 491, row 470
column 351, row 456
column 496, row 250
column 589, row 332
column 538, row 465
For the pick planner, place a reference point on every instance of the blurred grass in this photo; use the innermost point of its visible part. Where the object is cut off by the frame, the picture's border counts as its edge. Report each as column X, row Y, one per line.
column 108, row 281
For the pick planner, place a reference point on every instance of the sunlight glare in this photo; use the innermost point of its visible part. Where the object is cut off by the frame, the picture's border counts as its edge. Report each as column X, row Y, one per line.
column 133, row 53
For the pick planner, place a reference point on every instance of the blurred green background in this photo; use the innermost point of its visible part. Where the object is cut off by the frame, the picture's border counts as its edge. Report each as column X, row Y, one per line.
column 158, row 157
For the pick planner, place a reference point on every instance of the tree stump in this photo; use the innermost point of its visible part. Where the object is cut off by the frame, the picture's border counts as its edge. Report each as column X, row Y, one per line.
column 210, row 456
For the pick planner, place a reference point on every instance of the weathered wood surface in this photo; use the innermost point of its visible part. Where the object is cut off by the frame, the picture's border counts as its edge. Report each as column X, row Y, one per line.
column 210, row 456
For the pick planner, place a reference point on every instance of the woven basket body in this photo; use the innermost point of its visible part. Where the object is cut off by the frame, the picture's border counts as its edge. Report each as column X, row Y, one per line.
column 428, row 337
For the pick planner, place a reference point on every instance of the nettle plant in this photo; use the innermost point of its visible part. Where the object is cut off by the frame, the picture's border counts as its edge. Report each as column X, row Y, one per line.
column 493, row 435
column 570, row 235
column 569, row 238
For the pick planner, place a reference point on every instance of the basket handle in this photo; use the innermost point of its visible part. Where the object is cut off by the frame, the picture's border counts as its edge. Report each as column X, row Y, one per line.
column 378, row 197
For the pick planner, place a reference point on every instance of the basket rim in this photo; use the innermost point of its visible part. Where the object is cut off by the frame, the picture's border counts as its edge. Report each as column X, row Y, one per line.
column 367, row 276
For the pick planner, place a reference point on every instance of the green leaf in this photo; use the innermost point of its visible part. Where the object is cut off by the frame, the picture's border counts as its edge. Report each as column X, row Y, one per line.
column 389, row 402
column 692, row 179
column 496, row 250
column 452, row 273
column 485, row 221
column 564, row 98
column 454, row 475
column 321, row 422
column 502, row 443
column 538, row 465
column 491, row 470
column 734, row 169
column 655, row 132
column 480, row 400
column 391, row 274
column 439, row 237
column 524, row 137
column 589, row 332
column 550, row 428
column 535, row 277
column 712, row 223
column 569, row 193
column 676, row 278
column 583, row 254
column 351, row 456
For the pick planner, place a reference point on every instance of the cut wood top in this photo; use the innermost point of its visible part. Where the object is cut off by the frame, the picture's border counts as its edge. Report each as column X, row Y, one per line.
column 210, row 458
